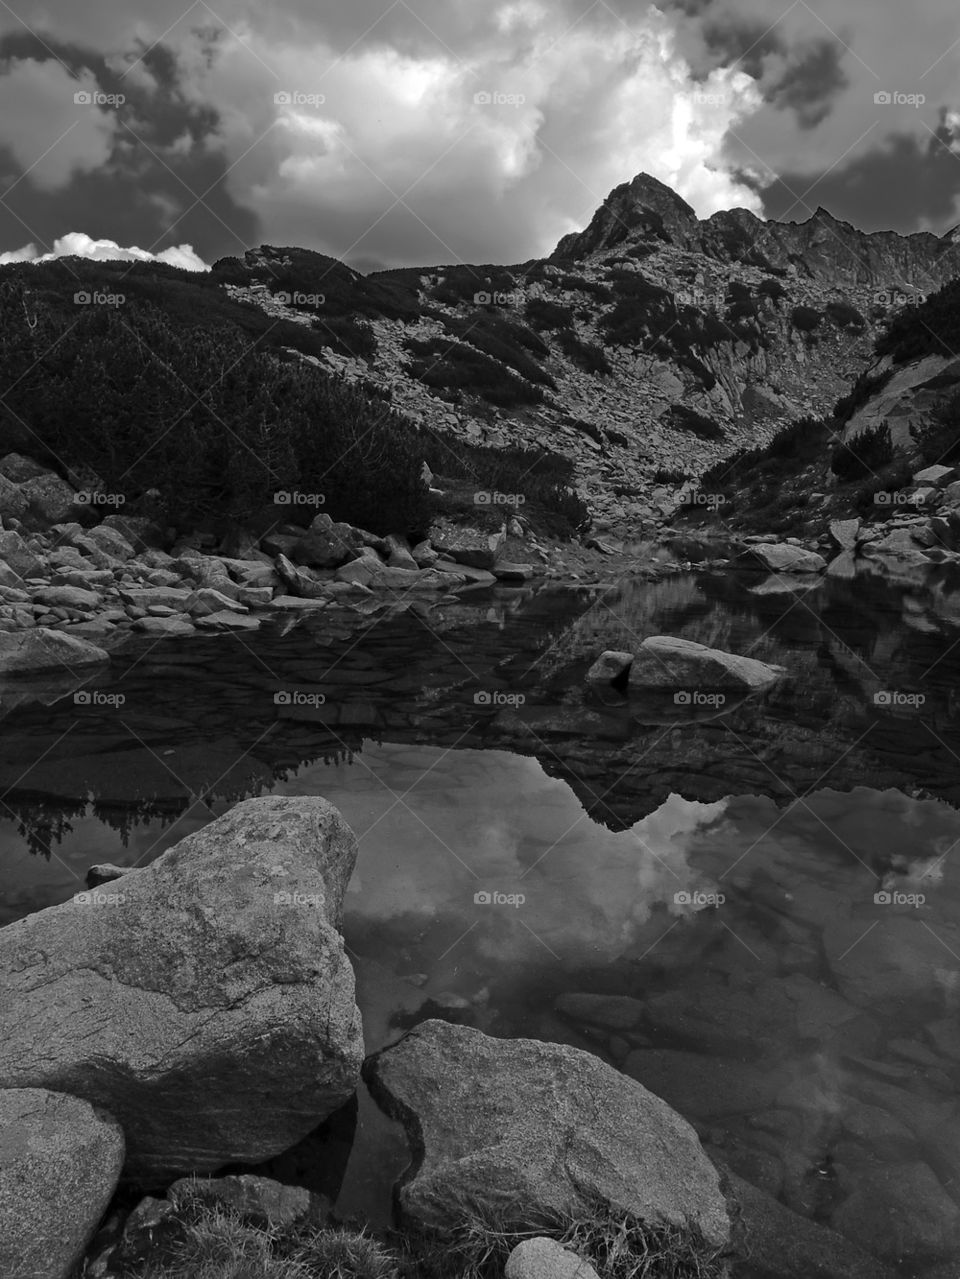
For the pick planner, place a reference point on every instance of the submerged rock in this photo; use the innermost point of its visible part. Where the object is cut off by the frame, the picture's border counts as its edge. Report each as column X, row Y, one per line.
column 59, row 1163
column 524, row 1130
column 665, row 661
column 206, row 999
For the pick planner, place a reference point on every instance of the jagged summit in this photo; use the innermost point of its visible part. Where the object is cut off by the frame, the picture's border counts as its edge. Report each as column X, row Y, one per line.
column 646, row 215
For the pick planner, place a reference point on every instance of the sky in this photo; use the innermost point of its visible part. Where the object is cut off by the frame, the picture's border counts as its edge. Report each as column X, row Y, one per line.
column 421, row 132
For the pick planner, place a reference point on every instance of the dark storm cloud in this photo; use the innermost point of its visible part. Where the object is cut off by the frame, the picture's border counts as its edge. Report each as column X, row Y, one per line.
column 163, row 154
column 900, row 186
column 803, row 76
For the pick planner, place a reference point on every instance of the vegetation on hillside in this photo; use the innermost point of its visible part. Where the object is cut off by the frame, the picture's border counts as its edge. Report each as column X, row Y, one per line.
column 930, row 328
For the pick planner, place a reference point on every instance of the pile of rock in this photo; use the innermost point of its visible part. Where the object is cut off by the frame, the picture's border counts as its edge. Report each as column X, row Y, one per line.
column 58, row 571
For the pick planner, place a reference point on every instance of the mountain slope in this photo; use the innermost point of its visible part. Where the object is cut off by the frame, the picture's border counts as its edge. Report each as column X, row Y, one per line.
column 651, row 344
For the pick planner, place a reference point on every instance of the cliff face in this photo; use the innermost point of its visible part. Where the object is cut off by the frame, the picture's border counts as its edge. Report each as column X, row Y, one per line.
column 648, row 346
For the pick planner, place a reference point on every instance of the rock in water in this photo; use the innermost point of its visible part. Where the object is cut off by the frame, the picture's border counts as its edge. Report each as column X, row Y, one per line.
column 43, row 649
column 781, row 558
column 523, row 1130
column 665, row 661
column 205, row 1000
column 59, row 1163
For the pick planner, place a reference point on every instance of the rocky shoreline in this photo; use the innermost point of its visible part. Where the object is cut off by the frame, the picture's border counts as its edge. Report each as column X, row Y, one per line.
column 201, row 1012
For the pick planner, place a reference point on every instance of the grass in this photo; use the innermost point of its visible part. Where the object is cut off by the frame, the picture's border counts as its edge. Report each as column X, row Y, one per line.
column 211, row 1242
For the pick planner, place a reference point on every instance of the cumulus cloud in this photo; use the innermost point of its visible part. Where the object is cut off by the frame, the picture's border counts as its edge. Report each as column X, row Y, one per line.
column 76, row 244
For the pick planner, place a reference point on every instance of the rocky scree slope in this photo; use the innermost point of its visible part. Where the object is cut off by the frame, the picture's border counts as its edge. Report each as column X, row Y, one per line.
column 646, row 348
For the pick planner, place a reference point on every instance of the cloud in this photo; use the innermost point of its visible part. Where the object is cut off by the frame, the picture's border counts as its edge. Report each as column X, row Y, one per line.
column 47, row 135
column 76, row 244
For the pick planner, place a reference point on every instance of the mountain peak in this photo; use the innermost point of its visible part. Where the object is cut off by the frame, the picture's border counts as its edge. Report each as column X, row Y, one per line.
column 644, row 207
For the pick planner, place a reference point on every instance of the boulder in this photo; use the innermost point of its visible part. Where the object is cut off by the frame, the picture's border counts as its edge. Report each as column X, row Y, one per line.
column 13, row 504
column 60, row 1159
column 373, row 573
column 50, row 498
column 424, row 556
column 535, row 1129
column 206, row 998
column 42, row 649
column 73, row 597
column 327, row 545
column 17, row 555
column 844, row 533
column 206, row 601
column 165, row 626
column 300, row 580
column 668, row 662
column 613, row 666
column 507, row 572
column 140, row 531
column 149, row 596
column 778, row 557
column 260, row 1201
column 901, row 1211
column 935, row 476
column 469, row 546
column 16, row 467
column 111, row 541
column 398, row 553
column 223, row 620
column 542, row 1258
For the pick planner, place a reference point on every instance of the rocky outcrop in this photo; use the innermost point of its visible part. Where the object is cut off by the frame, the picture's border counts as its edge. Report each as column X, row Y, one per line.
column 206, row 999
column 525, row 1130
column 59, row 1163
column 668, row 662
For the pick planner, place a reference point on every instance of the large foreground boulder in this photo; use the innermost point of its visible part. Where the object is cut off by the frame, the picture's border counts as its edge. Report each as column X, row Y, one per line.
column 59, row 1163
column 522, row 1130
column 42, row 649
column 206, row 999
column 668, row 662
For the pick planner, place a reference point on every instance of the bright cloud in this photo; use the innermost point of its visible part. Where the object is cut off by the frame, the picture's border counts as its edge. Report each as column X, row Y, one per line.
column 77, row 245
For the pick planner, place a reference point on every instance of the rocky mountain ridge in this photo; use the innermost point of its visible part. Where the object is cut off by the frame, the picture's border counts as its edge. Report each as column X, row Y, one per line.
column 647, row 347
